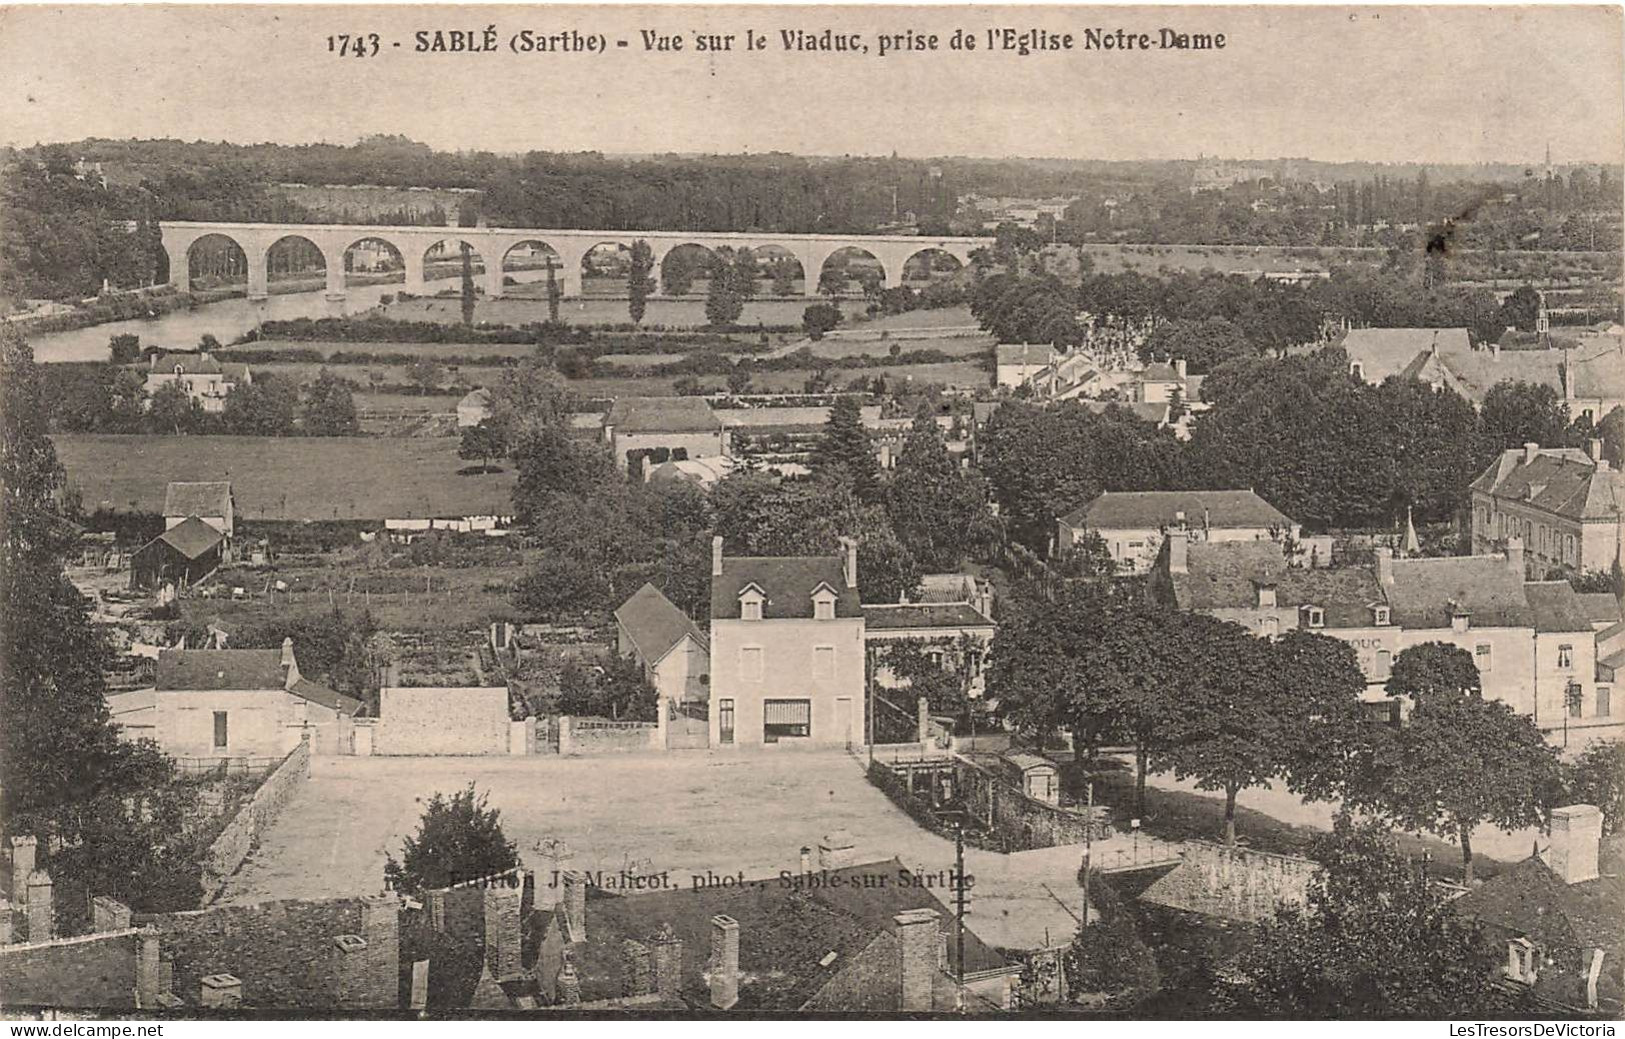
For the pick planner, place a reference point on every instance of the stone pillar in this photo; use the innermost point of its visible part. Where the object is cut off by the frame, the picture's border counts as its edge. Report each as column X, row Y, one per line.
column 23, row 857
column 109, row 914
column 923, row 720
column 41, row 913
column 812, row 267
column 381, row 927
column 493, row 272
column 5, row 921
column 637, row 969
column 349, row 971
column 149, row 982
column 918, row 949
column 413, row 258
column 220, row 992
column 566, row 738
column 335, row 282
column 724, row 961
column 668, row 963
column 180, row 267
column 575, row 905
column 259, row 279
column 659, row 254
column 502, row 937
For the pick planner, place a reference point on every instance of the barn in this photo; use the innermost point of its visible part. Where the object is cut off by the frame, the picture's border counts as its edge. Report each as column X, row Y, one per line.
column 184, row 554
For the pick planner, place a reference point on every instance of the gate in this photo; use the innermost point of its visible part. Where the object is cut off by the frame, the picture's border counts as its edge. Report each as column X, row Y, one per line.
column 688, row 726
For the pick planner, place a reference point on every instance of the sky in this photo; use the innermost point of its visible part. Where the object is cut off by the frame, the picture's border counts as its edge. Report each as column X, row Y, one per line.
column 1386, row 84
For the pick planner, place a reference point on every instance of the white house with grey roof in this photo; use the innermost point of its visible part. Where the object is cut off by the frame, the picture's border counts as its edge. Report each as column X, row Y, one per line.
column 1566, row 504
column 1134, row 524
column 665, row 641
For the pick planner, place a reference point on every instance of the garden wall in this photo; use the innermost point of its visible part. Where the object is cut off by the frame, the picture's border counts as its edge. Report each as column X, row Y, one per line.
column 1022, row 822
column 434, row 721
column 252, row 818
column 601, row 736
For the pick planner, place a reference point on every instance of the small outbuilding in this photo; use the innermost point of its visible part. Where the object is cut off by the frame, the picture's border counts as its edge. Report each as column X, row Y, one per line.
column 184, row 554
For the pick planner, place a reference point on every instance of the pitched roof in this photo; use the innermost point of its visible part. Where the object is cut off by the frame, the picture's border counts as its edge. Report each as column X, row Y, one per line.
column 1156, row 414
column 1141, row 510
column 787, row 581
column 1600, row 607
column 655, row 624
column 1473, row 373
column 1531, row 899
column 191, row 537
column 191, row 363
column 237, row 669
column 951, row 616
column 1599, row 367
column 1159, row 371
column 211, row 498
column 476, row 398
column 949, row 587
column 1381, row 352
column 1226, row 575
column 1425, row 591
column 662, row 415
column 1565, row 482
column 1555, row 606
column 1024, row 353
column 315, row 692
column 786, row 936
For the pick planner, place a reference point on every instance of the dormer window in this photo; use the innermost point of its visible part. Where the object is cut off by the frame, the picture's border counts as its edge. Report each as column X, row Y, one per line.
column 1314, row 616
column 750, row 603
column 1460, row 619
column 180, row 370
column 824, row 603
column 1380, row 616
column 1266, row 595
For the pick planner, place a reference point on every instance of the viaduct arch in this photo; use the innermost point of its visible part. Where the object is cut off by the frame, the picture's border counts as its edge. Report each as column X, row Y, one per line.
column 493, row 244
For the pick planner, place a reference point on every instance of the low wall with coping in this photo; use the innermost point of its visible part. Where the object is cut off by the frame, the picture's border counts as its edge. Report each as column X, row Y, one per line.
column 256, row 814
column 601, row 736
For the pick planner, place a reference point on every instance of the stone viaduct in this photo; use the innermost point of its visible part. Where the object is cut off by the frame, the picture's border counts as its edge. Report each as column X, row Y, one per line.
column 493, row 244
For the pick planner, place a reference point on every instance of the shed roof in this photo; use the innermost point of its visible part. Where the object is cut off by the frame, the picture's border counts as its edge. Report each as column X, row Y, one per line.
column 1600, row 607
column 317, row 693
column 1531, row 899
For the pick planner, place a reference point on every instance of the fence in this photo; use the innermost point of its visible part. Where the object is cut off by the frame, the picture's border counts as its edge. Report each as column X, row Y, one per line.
column 256, row 814
column 225, row 766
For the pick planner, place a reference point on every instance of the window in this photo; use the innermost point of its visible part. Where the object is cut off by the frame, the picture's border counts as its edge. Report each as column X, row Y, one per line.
column 824, row 605
column 750, row 663
column 1381, row 615
column 725, row 721
column 750, row 609
column 1574, row 696
column 1565, row 658
column 1481, row 656
column 1271, row 626
column 1357, row 370
column 1385, row 663
column 1317, row 617
column 786, row 719
column 1605, row 696
column 824, row 662
column 220, row 730
column 1523, row 959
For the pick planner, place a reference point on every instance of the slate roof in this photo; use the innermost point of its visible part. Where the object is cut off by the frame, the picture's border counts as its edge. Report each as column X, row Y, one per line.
column 784, row 934
column 1556, row 607
column 1600, row 607
column 924, row 615
column 1564, row 482
column 949, row 587
column 1144, row 510
column 1382, row 352
column 655, row 624
column 212, row 498
column 191, row 363
column 237, row 669
column 1532, row 900
column 1156, row 414
column 191, row 537
column 1473, row 373
column 1599, row 367
column 662, row 415
column 1159, row 371
column 1226, row 574
column 1485, row 587
column 1024, row 353
column 787, row 581
column 317, row 693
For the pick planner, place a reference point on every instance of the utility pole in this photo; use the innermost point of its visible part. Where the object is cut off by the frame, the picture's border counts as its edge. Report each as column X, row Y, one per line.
column 1088, row 847
column 959, row 910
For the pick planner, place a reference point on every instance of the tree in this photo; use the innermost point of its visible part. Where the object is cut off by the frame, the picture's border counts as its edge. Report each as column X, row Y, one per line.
column 820, row 318
column 739, row 376
column 640, row 282
column 425, row 376
column 1460, row 760
column 1520, row 309
column 262, row 408
column 459, row 839
column 1597, row 777
column 172, row 410
column 1517, row 413
column 1203, row 345
column 555, row 292
column 482, row 441
column 1324, row 739
column 468, row 284
column 844, row 447
column 723, row 302
column 933, row 504
column 124, row 348
column 329, row 408
column 1377, row 939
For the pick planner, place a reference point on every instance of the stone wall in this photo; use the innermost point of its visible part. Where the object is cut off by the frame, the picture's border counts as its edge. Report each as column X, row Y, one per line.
column 252, row 818
column 97, row 971
column 471, row 720
column 599, row 736
column 1233, row 883
column 1022, row 822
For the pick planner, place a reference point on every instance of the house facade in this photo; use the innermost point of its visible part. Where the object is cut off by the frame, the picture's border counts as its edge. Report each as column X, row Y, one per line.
column 942, row 628
column 1566, row 505
column 787, row 650
column 1015, row 364
column 661, row 429
column 206, row 381
column 182, row 555
column 673, row 651
column 210, row 501
column 1134, row 524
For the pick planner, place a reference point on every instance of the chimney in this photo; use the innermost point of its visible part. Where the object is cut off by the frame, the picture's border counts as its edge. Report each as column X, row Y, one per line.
column 849, row 561
column 575, row 905
column 1530, row 451
column 918, row 946
column 806, row 859
column 1594, row 449
column 289, row 663
column 41, row 919
column 724, row 961
column 1515, row 555
column 568, row 984
column 1576, row 835
column 149, row 984
column 1179, row 368
column 22, row 864
column 501, row 904
column 1179, row 547
column 637, row 969
column 109, row 914
column 668, row 963
column 350, row 971
column 836, row 850
column 1385, row 566
column 220, row 992
column 716, row 556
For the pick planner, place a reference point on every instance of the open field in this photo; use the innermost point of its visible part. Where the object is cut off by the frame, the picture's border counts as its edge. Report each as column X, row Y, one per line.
column 747, row 812
column 419, row 599
column 675, row 313
column 329, row 347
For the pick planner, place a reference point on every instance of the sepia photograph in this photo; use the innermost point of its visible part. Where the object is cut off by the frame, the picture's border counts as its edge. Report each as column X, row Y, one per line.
column 654, row 512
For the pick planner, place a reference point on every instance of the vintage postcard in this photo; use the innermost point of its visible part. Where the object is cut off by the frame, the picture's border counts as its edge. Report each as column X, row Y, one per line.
column 644, row 512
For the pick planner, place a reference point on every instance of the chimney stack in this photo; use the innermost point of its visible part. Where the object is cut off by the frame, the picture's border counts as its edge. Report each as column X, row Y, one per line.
column 1531, row 450
column 1385, row 566
column 1179, row 547
column 918, row 947
column 41, row 918
column 1179, row 368
column 575, row 905
column 724, row 961
column 806, row 859
column 502, row 932
column 1594, row 449
column 221, row 992
column 668, row 963
column 109, row 914
column 716, row 556
column 1515, row 555
column 149, row 983
column 1576, row 836
column 849, row 561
